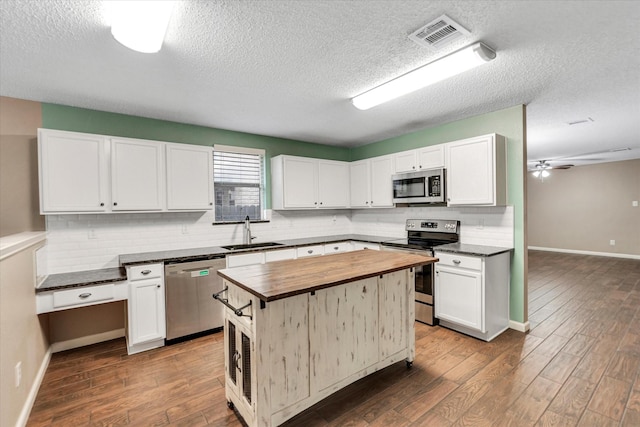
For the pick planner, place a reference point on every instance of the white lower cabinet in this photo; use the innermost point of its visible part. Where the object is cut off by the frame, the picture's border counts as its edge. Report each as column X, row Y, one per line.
column 146, row 325
column 472, row 293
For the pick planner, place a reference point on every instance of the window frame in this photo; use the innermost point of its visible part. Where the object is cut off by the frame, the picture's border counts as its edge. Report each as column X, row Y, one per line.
column 263, row 182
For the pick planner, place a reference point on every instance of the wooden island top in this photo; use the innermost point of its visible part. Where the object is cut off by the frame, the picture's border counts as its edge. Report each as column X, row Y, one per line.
column 282, row 279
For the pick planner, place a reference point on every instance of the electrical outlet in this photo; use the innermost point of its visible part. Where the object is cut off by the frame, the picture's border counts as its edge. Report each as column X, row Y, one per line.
column 612, row 242
column 18, row 374
column 634, row 204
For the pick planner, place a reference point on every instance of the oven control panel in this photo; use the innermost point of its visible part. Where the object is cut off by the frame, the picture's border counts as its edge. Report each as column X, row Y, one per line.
column 440, row 225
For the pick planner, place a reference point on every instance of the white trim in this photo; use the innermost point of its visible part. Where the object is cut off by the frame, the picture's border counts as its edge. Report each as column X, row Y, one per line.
column 88, row 340
column 234, row 149
column 575, row 251
column 519, row 326
column 15, row 243
column 33, row 392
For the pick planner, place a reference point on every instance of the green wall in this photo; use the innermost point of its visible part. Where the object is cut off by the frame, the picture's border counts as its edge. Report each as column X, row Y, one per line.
column 74, row 119
column 511, row 124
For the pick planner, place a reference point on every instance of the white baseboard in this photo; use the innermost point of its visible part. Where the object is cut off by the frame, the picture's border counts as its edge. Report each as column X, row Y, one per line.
column 88, row 340
column 519, row 326
column 575, row 251
column 33, row 392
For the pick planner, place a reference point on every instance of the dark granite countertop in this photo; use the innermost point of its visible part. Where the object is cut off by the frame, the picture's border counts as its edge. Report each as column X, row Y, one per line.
column 80, row 279
column 477, row 250
column 109, row 275
column 197, row 254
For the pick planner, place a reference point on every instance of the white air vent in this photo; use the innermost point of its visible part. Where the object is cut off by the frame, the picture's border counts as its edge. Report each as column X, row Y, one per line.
column 439, row 32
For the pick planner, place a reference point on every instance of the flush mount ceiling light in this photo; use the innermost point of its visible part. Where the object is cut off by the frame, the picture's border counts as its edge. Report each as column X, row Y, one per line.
column 140, row 25
column 449, row 66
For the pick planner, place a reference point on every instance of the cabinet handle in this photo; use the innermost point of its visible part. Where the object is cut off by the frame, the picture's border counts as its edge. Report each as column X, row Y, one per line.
column 320, row 202
column 420, row 167
column 309, row 251
column 210, row 203
column 456, row 261
column 315, row 203
column 236, row 359
column 372, row 202
column 413, row 167
column 115, row 203
column 101, row 204
column 158, row 286
column 335, row 248
column 366, row 203
column 145, row 272
column 85, row 295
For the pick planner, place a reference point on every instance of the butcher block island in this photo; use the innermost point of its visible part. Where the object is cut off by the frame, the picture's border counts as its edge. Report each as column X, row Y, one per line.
column 297, row 331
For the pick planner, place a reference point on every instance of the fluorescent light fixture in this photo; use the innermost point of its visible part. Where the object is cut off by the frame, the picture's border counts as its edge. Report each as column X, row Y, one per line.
column 449, row 66
column 140, row 25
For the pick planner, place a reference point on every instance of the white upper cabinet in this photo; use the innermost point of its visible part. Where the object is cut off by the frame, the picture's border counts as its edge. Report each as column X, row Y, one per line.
column 85, row 173
column 333, row 184
column 307, row 183
column 381, row 186
column 189, row 177
column 419, row 159
column 137, row 175
column 371, row 182
column 476, row 171
column 73, row 172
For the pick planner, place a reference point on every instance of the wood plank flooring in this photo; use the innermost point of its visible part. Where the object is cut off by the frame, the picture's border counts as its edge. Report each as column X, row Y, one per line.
column 578, row 366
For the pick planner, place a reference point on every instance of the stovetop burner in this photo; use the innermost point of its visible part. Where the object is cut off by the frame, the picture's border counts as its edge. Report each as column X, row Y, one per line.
column 427, row 234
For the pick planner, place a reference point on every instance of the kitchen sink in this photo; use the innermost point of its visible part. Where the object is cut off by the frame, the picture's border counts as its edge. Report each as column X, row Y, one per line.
column 252, row 246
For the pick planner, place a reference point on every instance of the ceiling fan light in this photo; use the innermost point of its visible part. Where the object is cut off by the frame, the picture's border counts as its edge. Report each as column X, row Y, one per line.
column 536, row 174
column 140, row 25
column 443, row 68
column 545, row 173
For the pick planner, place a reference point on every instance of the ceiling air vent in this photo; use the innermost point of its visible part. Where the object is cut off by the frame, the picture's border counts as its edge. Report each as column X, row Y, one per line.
column 439, row 33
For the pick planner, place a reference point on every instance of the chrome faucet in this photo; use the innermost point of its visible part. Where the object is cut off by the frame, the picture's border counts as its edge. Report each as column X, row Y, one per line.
column 247, row 231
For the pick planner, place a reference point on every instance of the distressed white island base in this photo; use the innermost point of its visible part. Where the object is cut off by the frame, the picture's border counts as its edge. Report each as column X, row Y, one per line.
column 309, row 327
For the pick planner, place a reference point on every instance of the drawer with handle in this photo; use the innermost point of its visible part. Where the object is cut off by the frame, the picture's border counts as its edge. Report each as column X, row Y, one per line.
column 334, row 248
column 83, row 296
column 310, row 251
column 461, row 261
column 145, row 271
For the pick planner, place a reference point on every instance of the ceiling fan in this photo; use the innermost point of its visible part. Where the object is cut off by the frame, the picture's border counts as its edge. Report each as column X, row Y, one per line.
column 540, row 168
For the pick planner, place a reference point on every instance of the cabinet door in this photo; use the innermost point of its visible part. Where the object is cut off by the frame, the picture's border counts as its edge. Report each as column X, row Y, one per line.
column 300, row 182
column 137, row 175
column 381, row 188
column 431, row 157
column 470, row 172
column 239, row 367
column 360, row 180
column 146, row 311
column 73, row 172
column 333, row 184
column 189, row 177
column 405, row 161
column 458, row 297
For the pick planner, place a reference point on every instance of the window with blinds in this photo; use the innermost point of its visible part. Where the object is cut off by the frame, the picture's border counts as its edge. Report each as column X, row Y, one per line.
column 238, row 184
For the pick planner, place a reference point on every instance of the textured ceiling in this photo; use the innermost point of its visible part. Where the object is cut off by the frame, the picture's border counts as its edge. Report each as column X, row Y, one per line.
column 289, row 68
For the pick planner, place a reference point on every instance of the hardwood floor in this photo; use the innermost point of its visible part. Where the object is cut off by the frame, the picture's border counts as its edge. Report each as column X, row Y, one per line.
column 578, row 365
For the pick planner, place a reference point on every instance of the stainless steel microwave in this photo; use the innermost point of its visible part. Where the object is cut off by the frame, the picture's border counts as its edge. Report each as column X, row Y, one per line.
column 419, row 187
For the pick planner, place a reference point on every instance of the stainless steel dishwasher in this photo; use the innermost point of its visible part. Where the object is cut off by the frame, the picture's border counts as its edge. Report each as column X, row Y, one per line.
column 190, row 307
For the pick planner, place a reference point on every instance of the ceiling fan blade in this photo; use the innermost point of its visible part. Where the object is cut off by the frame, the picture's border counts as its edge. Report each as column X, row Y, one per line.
column 561, row 167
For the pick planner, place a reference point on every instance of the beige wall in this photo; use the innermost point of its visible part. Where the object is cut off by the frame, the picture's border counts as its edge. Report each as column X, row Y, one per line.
column 585, row 207
column 22, row 333
column 19, row 208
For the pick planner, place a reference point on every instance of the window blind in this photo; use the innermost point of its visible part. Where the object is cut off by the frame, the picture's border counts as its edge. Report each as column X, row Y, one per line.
column 238, row 185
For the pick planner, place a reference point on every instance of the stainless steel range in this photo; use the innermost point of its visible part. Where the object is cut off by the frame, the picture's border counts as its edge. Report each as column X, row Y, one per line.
column 422, row 236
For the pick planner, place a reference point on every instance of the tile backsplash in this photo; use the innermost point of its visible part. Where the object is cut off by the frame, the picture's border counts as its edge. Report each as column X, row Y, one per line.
column 86, row 242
